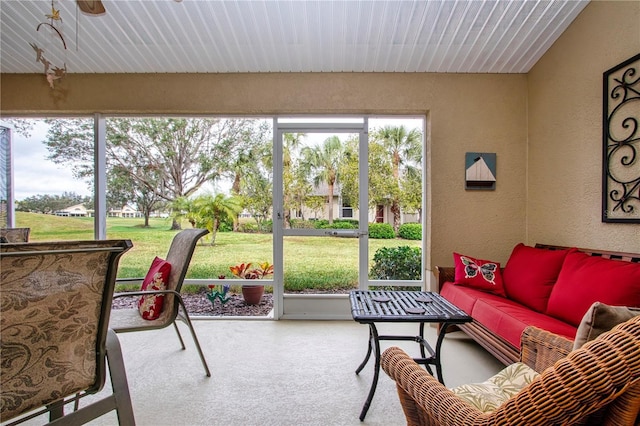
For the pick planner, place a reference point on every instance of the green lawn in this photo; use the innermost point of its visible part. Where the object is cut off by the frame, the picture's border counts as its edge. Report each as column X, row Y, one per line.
column 310, row 262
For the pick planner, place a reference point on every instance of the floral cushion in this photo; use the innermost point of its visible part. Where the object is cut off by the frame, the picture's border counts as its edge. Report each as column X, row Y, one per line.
column 490, row 395
column 150, row 306
column 477, row 273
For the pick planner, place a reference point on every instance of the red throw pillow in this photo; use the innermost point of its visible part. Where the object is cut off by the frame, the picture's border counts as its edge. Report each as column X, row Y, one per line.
column 530, row 274
column 586, row 279
column 477, row 273
column 150, row 306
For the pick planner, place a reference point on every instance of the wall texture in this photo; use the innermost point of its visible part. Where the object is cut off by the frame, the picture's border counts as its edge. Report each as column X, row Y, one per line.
column 565, row 130
column 480, row 113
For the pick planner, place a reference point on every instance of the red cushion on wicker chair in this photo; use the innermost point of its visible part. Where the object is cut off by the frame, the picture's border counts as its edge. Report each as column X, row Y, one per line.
column 150, row 306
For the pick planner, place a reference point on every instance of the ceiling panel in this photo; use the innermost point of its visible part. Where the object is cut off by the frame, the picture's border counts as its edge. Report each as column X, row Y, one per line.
column 223, row 36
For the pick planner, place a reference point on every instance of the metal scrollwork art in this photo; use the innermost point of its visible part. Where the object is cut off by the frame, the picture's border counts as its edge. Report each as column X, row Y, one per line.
column 621, row 143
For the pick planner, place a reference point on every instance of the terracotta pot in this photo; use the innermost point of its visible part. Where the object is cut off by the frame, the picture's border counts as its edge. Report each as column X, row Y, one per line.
column 252, row 294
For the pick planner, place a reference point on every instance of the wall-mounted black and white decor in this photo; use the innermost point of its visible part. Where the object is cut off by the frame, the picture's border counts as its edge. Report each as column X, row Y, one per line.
column 480, row 170
column 621, row 143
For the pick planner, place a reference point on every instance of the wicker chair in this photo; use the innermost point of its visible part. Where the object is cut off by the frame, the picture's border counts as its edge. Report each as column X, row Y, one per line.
column 54, row 317
column 596, row 384
column 179, row 256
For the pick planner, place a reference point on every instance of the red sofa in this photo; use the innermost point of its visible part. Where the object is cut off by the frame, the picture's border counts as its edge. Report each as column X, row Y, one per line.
column 546, row 286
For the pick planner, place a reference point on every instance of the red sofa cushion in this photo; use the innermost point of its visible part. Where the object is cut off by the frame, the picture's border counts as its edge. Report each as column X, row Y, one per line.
column 477, row 273
column 530, row 274
column 508, row 319
column 586, row 279
column 465, row 297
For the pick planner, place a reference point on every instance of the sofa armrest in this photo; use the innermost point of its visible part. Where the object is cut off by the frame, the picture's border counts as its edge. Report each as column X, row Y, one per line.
column 444, row 274
column 541, row 349
column 423, row 398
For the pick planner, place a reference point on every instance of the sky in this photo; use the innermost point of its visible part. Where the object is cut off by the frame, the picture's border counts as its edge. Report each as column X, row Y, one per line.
column 34, row 174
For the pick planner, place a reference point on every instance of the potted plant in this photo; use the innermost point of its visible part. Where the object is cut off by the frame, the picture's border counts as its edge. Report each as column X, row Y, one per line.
column 252, row 293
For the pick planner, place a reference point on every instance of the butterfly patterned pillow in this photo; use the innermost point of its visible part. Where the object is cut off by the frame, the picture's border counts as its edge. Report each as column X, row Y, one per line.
column 477, row 273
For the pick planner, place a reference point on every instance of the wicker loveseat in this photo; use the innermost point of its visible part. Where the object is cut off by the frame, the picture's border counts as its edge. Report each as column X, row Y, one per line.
column 537, row 294
column 596, row 384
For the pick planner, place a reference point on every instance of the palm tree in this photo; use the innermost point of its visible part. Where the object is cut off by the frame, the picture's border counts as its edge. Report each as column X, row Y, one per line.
column 213, row 209
column 290, row 146
column 182, row 208
column 323, row 162
column 405, row 150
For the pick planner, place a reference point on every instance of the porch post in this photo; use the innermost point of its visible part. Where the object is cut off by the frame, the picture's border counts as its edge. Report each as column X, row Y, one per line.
column 100, row 177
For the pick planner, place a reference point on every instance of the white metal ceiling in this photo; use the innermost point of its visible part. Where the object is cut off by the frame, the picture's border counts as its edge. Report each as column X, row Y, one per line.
column 227, row 36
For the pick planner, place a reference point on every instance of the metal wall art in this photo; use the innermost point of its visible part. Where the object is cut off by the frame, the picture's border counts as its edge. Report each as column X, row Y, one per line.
column 621, row 143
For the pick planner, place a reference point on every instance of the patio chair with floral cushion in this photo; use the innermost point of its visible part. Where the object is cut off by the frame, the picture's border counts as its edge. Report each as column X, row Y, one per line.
column 160, row 303
column 598, row 383
column 54, row 316
column 14, row 235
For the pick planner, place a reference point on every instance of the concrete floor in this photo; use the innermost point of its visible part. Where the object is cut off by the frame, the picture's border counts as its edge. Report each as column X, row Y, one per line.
column 275, row 373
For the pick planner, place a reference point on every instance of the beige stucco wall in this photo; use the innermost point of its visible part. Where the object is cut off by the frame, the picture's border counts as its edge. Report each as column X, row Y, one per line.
column 565, row 129
column 481, row 113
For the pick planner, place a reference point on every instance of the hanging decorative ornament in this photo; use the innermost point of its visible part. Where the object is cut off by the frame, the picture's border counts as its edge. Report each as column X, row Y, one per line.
column 56, row 47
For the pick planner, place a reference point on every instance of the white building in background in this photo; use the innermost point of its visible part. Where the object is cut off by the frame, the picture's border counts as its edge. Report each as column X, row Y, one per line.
column 78, row 210
column 126, row 211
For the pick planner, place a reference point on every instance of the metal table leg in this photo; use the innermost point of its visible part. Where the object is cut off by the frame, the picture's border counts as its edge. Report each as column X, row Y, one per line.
column 374, row 346
column 438, row 362
column 366, row 358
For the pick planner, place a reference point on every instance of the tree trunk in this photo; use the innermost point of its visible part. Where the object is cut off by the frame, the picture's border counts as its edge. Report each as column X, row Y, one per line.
column 287, row 219
column 331, row 204
column 175, row 225
column 146, row 218
column 395, row 209
column 214, row 231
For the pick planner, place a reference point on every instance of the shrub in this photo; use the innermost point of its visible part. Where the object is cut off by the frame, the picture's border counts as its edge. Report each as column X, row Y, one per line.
column 337, row 224
column 302, row 224
column 225, row 226
column 410, row 231
column 249, row 227
column 381, row 231
column 252, row 227
column 397, row 263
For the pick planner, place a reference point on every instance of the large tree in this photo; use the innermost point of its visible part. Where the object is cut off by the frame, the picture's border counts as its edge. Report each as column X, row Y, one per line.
column 123, row 189
column 323, row 162
column 170, row 157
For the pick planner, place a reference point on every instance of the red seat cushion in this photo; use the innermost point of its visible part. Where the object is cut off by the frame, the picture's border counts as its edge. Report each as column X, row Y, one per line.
column 586, row 279
column 508, row 319
column 150, row 306
column 477, row 273
column 465, row 297
column 530, row 274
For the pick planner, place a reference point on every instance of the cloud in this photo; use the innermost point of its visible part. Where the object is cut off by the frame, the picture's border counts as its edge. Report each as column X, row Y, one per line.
column 33, row 173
